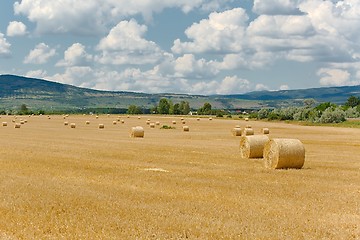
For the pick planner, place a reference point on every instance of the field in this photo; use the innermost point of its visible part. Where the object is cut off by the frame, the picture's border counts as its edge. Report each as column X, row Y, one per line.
column 91, row 183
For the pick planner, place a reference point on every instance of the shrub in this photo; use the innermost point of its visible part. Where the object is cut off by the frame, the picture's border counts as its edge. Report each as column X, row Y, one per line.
column 263, row 113
column 332, row 116
column 167, row 127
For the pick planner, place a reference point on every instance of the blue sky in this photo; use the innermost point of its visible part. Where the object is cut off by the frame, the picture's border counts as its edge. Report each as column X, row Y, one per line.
column 183, row 46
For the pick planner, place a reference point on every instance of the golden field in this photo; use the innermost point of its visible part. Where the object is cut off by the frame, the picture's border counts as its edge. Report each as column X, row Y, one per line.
column 91, row 183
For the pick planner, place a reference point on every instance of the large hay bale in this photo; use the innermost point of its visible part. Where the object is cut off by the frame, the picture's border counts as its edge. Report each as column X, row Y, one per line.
column 101, row 126
column 248, row 132
column 73, row 125
column 157, row 123
column 87, row 122
column 253, row 146
column 152, row 125
column 265, row 131
column 137, row 132
column 17, row 125
column 284, row 153
column 236, row 131
column 114, row 122
column 4, row 124
column 174, row 122
column 186, row 128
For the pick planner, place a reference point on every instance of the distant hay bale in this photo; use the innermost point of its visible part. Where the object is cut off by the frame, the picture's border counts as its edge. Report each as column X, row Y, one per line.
column 265, row 131
column 118, row 119
column 101, row 126
column 186, row 128
column 114, row 122
column 22, row 122
column 139, row 117
column 248, row 126
column 181, row 119
column 157, row 123
column 108, row 115
column 148, row 122
column 174, row 122
column 137, row 132
column 127, row 116
column 246, row 119
column 17, row 125
column 198, row 119
column 253, row 146
column 13, row 120
column 73, row 125
column 4, row 124
column 152, row 125
column 210, row 118
column 122, row 121
column 25, row 121
column 183, row 122
column 236, row 131
column 64, row 117
column 248, row 132
column 237, row 126
column 284, row 153
column 87, row 122
column 67, row 115
column 66, row 123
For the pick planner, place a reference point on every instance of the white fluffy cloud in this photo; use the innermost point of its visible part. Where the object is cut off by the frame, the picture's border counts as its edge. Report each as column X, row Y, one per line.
column 93, row 16
column 221, row 32
column 125, row 44
column 76, row 55
column 4, row 46
column 16, row 29
column 37, row 74
column 233, row 85
column 40, row 54
column 333, row 77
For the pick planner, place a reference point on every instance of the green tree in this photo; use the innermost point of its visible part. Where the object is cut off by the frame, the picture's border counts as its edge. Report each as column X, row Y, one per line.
column 164, row 106
column 184, row 107
column 23, row 110
column 352, row 101
column 206, row 109
column 133, row 109
column 176, row 109
column 309, row 102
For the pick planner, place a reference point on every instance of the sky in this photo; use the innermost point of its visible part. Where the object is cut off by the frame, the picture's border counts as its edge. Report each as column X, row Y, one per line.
column 183, row 46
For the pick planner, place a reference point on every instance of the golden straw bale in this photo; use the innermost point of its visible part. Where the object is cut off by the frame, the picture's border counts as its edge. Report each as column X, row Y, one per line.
column 248, row 126
column 4, row 124
column 148, row 122
column 152, row 125
column 66, row 123
column 73, row 125
column 284, row 153
column 157, row 123
column 210, row 118
column 139, row 117
column 122, row 121
column 246, row 119
column 186, row 128
column 87, row 122
column 248, row 132
column 17, row 125
column 253, row 146
column 182, row 119
column 13, row 120
column 137, row 132
column 237, row 126
column 265, row 131
column 101, row 126
column 22, row 122
column 183, row 122
column 198, row 119
column 114, row 122
column 236, row 131
column 173, row 122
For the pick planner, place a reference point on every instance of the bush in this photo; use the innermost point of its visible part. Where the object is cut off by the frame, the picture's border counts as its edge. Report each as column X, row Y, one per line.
column 263, row 113
column 332, row 116
column 167, row 127
column 352, row 112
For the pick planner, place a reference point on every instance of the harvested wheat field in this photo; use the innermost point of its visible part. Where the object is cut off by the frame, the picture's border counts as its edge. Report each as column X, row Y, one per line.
column 84, row 183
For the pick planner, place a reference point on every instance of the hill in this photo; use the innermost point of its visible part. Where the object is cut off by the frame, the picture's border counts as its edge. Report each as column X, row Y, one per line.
column 47, row 95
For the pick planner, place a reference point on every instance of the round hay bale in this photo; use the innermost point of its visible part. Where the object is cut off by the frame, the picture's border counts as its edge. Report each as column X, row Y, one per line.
column 237, row 126
column 73, row 125
column 152, row 125
column 17, row 125
column 253, row 146
column 25, row 120
column 13, row 120
column 67, row 115
column 101, row 126
column 122, row 121
column 248, row 126
column 157, row 123
column 64, row 117
column 137, row 132
column 198, row 119
column 210, row 119
column 4, row 124
column 248, row 132
column 236, row 131
column 66, row 123
column 139, row 117
column 183, row 122
column 114, row 122
column 246, row 119
column 87, row 122
column 265, row 131
column 182, row 119
column 127, row 116
column 284, row 153
column 174, row 122
column 22, row 122
column 148, row 122
column 186, row 128
column 96, row 117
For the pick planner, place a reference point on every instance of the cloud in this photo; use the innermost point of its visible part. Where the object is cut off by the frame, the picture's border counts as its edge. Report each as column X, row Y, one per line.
column 76, row 55
column 333, row 77
column 125, row 45
column 40, row 54
column 261, row 87
column 233, row 85
column 221, row 32
column 16, row 29
column 37, row 74
column 4, row 46
column 276, row 7
column 93, row 17
column 284, row 87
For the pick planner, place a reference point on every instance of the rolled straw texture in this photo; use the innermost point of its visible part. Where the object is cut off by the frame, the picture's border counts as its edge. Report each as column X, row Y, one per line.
column 253, row 146
column 137, row 132
column 284, row 153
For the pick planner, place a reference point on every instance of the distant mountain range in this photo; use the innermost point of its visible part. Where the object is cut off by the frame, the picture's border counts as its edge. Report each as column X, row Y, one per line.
column 42, row 94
